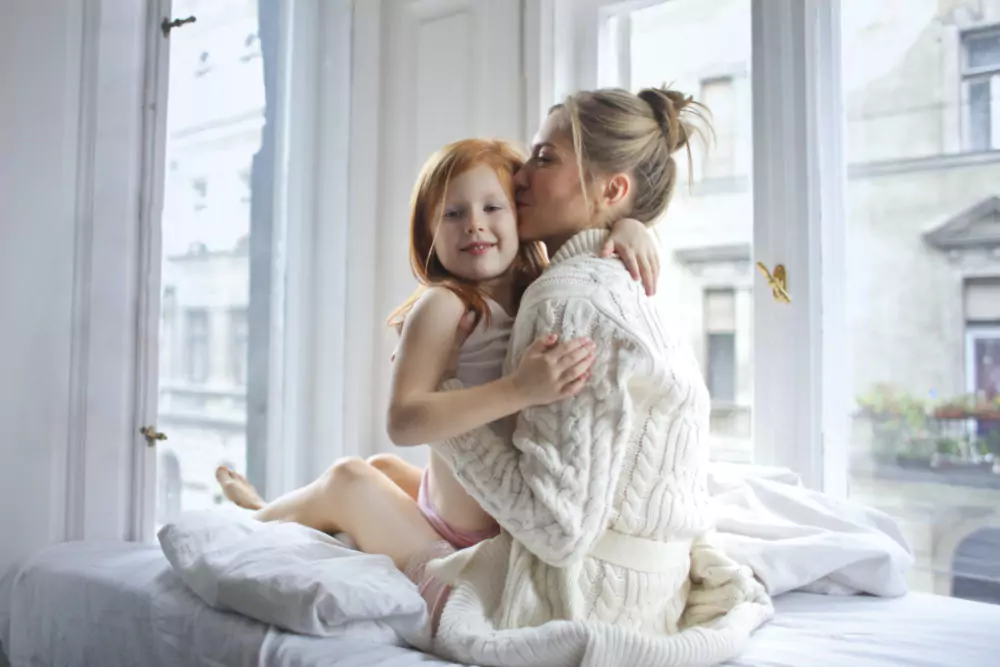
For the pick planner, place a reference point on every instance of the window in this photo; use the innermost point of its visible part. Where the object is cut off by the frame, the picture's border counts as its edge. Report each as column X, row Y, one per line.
column 719, row 95
column 981, row 83
column 707, row 234
column 982, row 365
column 720, row 330
column 204, row 65
column 199, row 189
column 196, row 344
column 216, row 131
column 924, row 327
column 245, row 186
column 251, row 48
column 238, row 338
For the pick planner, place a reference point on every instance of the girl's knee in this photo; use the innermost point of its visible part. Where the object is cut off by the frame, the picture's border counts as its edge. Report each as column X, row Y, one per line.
column 346, row 471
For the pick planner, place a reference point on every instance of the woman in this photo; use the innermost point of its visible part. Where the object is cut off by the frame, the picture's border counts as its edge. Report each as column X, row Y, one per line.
column 602, row 496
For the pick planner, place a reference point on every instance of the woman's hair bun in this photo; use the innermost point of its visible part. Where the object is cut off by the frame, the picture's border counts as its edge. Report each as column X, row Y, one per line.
column 674, row 112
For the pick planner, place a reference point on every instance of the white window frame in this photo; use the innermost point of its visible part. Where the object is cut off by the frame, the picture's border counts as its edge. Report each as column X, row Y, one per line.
column 802, row 400
column 974, row 332
column 971, row 75
column 308, row 365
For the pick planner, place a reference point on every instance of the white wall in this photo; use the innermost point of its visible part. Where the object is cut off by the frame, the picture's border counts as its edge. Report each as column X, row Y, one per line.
column 38, row 142
column 70, row 132
column 449, row 70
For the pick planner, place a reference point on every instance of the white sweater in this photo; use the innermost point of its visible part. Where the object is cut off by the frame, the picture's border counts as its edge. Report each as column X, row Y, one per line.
column 626, row 457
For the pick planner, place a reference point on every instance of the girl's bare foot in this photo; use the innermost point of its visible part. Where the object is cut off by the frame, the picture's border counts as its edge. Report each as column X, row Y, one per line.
column 238, row 488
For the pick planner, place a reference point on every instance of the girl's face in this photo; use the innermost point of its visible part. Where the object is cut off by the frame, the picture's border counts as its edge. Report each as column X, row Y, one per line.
column 476, row 235
column 550, row 202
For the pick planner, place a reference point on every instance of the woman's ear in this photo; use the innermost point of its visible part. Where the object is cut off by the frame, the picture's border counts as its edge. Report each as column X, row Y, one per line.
column 617, row 190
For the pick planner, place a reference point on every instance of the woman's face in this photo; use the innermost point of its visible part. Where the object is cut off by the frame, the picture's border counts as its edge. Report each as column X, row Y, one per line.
column 550, row 203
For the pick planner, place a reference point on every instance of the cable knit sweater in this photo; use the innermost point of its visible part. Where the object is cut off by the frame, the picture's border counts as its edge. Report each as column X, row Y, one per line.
column 626, row 455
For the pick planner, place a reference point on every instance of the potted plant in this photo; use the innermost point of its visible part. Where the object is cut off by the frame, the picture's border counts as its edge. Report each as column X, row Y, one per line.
column 959, row 407
column 969, row 406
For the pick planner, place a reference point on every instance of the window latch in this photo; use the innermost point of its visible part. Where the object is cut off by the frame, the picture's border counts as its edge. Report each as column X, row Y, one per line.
column 778, row 281
column 152, row 435
column 167, row 25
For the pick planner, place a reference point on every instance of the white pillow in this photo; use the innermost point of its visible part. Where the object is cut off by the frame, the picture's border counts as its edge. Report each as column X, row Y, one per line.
column 290, row 576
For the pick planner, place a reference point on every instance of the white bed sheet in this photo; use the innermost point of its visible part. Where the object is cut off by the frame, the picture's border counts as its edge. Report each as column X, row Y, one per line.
column 121, row 605
column 118, row 605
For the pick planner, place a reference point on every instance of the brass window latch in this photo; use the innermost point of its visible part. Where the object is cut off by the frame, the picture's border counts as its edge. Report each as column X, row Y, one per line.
column 167, row 25
column 778, row 282
column 152, row 435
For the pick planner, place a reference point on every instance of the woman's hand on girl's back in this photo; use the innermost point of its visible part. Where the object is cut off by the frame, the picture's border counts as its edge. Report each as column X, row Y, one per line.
column 635, row 246
column 550, row 371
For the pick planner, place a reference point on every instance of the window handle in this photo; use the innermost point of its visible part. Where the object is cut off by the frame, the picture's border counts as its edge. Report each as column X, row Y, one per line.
column 152, row 435
column 167, row 25
column 777, row 280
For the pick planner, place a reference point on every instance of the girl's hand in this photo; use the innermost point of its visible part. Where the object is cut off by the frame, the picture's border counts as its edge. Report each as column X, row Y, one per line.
column 635, row 246
column 551, row 371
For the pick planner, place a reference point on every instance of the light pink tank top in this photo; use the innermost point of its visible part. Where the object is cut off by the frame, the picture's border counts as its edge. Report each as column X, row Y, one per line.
column 482, row 355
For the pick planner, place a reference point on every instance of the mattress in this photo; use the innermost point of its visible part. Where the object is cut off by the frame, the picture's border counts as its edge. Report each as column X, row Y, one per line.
column 120, row 604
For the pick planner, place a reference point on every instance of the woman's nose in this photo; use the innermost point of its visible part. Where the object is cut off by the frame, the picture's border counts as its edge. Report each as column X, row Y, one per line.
column 521, row 177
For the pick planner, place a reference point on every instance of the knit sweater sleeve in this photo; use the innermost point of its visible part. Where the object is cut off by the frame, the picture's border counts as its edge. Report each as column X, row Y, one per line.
column 552, row 488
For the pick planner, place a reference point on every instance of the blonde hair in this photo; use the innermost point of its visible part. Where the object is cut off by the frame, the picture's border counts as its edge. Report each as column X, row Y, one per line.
column 617, row 131
column 426, row 204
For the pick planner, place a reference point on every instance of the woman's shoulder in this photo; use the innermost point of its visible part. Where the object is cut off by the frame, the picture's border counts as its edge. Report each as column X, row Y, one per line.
column 597, row 279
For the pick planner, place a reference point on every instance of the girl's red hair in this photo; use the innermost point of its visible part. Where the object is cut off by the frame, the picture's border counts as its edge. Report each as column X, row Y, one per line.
column 429, row 194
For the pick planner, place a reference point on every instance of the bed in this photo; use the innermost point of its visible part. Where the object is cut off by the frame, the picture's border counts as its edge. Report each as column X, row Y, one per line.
column 122, row 605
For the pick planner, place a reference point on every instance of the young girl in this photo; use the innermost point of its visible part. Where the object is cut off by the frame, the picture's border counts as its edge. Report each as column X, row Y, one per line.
column 466, row 255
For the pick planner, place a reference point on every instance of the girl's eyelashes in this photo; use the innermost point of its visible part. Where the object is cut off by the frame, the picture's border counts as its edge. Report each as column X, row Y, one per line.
column 458, row 213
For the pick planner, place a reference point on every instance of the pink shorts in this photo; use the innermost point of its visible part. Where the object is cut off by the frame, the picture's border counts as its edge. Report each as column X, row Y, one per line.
column 434, row 591
column 460, row 539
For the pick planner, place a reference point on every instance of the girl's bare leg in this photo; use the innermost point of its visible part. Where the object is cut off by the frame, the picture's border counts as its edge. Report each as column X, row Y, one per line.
column 404, row 474
column 356, row 498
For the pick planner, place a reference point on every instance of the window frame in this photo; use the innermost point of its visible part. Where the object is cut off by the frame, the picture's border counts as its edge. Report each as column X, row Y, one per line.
column 975, row 331
column 801, row 398
column 971, row 75
column 307, row 360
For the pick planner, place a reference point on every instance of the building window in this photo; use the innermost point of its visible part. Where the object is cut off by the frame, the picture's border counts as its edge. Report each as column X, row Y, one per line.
column 718, row 94
column 245, row 186
column 720, row 344
column 196, row 344
column 982, row 354
column 204, row 65
column 199, row 189
column 981, row 89
column 238, row 350
column 251, row 48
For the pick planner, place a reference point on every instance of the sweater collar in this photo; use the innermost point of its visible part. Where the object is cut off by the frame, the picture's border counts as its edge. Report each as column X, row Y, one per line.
column 587, row 242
